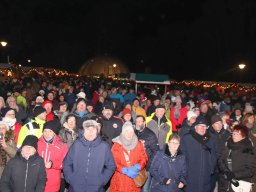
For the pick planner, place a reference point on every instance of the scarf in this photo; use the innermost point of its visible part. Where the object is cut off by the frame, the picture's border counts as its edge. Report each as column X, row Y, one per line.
column 177, row 112
column 128, row 145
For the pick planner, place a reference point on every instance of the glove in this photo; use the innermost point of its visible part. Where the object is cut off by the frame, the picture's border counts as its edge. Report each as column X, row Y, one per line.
column 178, row 126
column 125, row 170
column 230, row 175
column 137, row 167
column 132, row 172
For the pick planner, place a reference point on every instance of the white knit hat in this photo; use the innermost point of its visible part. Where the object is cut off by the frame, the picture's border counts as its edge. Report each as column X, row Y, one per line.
column 127, row 127
column 191, row 114
column 6, row 125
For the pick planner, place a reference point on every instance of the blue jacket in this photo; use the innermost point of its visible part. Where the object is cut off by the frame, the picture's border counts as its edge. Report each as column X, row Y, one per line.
column 165, row 167
column 201, row 161
column 88, row 165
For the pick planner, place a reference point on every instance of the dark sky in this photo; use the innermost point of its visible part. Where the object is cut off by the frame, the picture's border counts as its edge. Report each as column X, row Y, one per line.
column 203, row 39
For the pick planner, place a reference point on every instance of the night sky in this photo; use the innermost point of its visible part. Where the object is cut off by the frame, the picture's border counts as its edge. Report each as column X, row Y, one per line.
column 203, row 39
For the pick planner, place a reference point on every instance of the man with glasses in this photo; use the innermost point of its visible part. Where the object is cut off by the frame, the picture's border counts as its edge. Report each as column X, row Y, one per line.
column 199, row 150
column 19, row 110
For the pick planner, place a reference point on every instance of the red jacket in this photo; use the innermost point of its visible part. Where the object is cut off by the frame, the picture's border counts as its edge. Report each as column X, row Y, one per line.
column 56, row 153
column 175, row 122
column 119, row 181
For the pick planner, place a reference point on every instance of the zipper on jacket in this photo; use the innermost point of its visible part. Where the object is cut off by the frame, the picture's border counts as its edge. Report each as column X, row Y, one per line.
column 46, row 151
column 88, row 161
column 26, row 178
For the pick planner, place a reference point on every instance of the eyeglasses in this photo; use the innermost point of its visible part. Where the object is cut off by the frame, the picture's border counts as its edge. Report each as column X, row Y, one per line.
column 174, row 143
column 236, row 133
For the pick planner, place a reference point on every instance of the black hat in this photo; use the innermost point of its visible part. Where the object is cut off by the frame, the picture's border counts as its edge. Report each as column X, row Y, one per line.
column 215, row 118
column 108, row 106
column 5, row 110
column 53, row 125
column 89, row 103
column 38, row 110
column 30, row 140
column 156, row 97
column 160, row 106
column 201, row 120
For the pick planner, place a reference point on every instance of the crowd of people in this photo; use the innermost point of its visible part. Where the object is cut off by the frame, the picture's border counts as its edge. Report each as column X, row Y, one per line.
column 80, row 134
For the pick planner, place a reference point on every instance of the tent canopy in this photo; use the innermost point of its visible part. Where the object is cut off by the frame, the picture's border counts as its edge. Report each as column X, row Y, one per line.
column 150, row 78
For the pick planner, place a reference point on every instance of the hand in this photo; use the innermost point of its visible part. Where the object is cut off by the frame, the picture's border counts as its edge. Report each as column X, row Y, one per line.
column 3, row 143
column 137, row 167
column 230, row 175
column 168, row 181
column 181, row 185
column 48, row 164
column 125, row 170
column 132, row 173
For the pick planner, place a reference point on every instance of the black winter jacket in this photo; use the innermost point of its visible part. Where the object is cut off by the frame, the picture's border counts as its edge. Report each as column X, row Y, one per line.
column 21, row 175
column 150, row 142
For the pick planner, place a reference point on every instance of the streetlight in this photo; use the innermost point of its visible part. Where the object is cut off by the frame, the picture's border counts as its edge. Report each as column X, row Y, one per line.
column 241, row 66
column 3, row 43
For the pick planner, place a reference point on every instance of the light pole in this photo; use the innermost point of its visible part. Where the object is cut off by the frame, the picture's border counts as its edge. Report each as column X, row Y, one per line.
column 3, row 44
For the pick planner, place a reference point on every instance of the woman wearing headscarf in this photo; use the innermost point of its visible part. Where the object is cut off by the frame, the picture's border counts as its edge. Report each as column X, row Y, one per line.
column 130, row 158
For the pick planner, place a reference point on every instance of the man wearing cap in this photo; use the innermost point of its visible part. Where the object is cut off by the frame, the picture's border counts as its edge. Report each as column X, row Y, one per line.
column 26, row 171
column 89, row 164
column 34, row 126
column 160, row 125
column 200, row 154
column 53, row 151
column 111, row 125
column 220, row 137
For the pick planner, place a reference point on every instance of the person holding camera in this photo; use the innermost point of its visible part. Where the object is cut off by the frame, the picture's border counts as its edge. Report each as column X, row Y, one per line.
column 7, row 145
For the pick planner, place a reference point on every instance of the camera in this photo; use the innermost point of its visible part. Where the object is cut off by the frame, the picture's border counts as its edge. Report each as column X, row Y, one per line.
column 1, row 136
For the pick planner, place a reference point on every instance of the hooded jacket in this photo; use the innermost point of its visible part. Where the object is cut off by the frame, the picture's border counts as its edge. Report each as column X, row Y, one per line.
column 88, row 165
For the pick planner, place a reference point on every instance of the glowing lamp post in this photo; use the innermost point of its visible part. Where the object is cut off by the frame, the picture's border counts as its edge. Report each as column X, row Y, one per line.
column 3, row 43
column 241, row 66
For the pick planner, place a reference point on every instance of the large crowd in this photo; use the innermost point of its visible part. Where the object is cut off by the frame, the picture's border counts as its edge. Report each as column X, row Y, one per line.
column 81, row 134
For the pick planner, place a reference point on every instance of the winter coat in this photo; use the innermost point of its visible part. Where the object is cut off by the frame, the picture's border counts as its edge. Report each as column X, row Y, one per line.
column 177, row 122
column 185, row 128
column 162, row 128
column 166, row 167
column 88, row 165
column 253, row 140
column 111, row 128
column 119, row 181
column 243, row 161
column 150, row 143
column 55, row 153
column 9, row 152
column 34, row 127
column 201, row 161
column 66, row 136
column 219, row 139
column 80, row 120
column 139, row 111
column 21, row 175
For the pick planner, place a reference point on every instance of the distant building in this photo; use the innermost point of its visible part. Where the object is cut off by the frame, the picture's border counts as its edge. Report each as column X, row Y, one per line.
column 103, row 65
